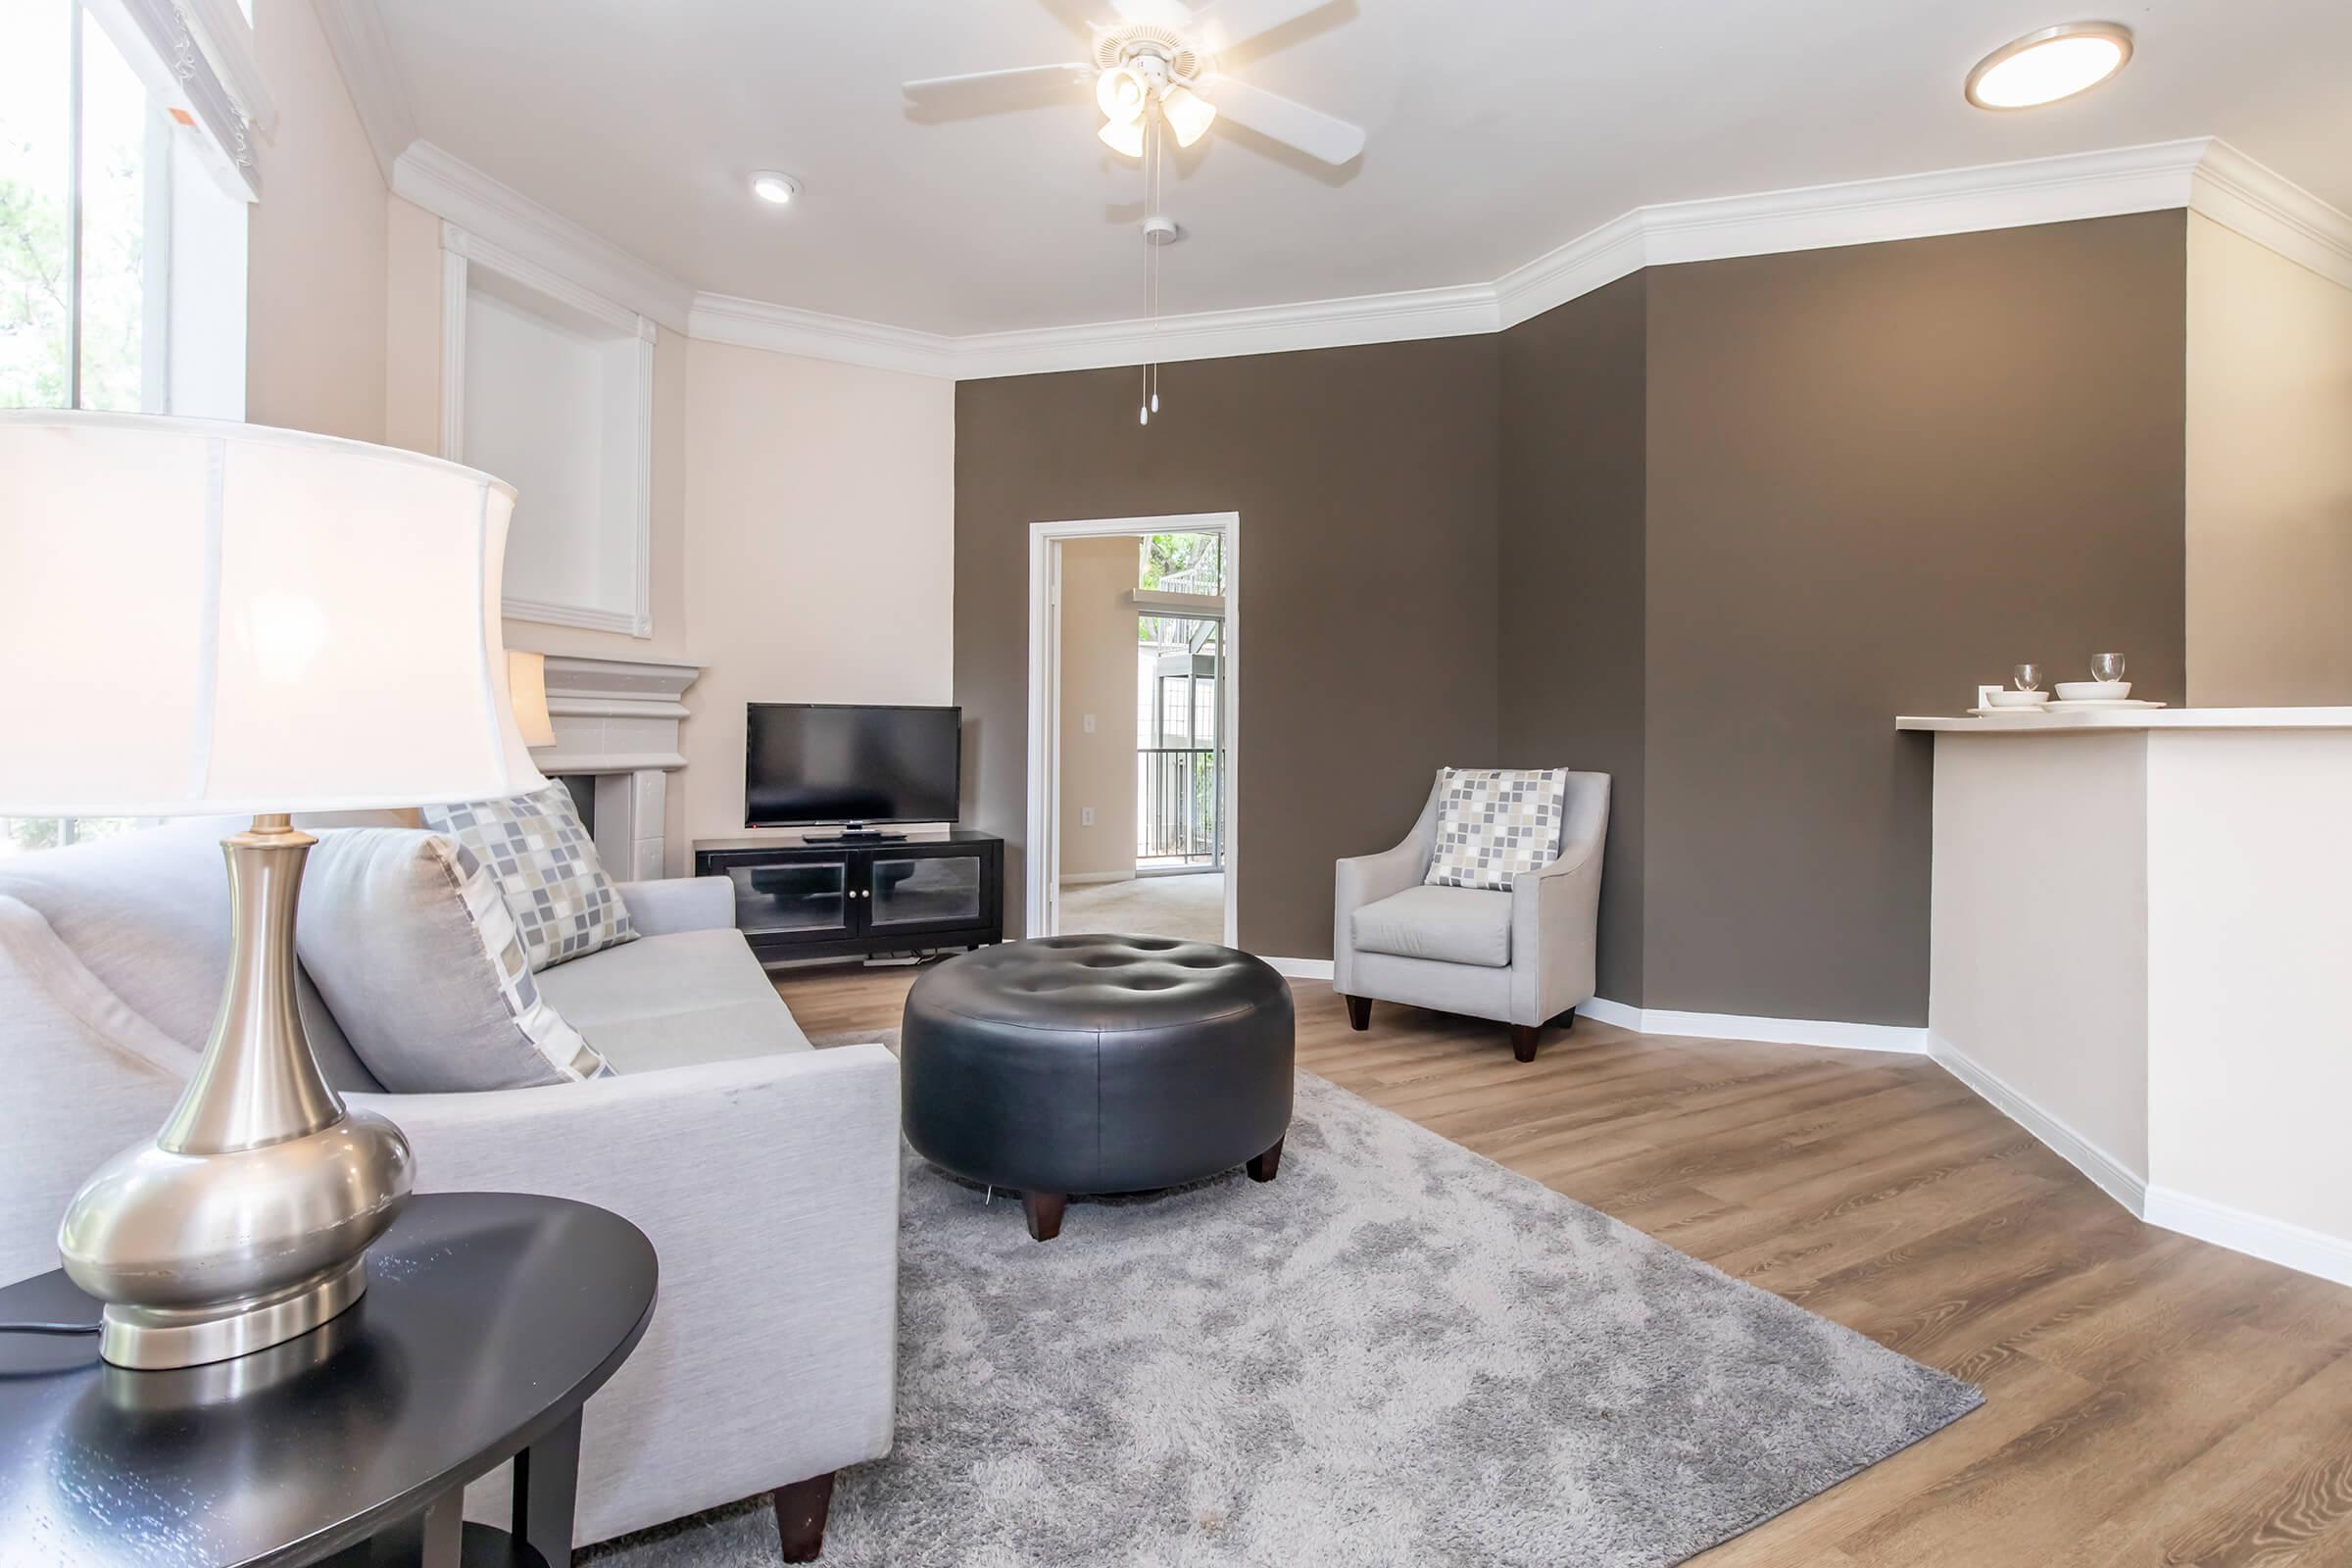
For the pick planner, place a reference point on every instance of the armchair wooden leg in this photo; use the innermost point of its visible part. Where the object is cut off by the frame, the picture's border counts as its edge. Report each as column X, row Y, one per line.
column 1523, row 1041
column 1565, row 1021
column 1359, row 1013
column 801, row 1510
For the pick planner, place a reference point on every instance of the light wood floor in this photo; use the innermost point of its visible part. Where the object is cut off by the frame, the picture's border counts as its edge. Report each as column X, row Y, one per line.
column 2148, row 1398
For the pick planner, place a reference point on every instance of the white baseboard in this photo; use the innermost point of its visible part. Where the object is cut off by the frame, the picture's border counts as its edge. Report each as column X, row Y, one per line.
column 1303, row 968
column 2111, row 1175
column 1900, row 1038
column 2275, row 1240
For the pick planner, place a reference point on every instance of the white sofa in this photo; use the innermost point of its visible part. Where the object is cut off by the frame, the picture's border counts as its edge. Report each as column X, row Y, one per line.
column 1524, row 957
column 766, row 1173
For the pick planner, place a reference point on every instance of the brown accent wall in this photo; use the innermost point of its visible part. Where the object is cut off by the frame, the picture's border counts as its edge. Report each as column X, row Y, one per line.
column 1573, row 597
column 1878, row 475
column 1365, row 479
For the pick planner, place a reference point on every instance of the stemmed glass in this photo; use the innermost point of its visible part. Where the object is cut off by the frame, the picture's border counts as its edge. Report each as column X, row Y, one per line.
column 2106, row 666
column 2027, row 676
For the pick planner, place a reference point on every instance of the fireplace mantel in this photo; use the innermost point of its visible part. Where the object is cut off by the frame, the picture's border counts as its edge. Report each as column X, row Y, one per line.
column 616, row 720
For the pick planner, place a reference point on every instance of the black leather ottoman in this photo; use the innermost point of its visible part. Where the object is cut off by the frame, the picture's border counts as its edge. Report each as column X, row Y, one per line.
column 1096, row 1064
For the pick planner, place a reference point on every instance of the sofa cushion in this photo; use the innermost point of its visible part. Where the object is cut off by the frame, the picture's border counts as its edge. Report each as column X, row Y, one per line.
column 564, row 905
column 670, row 1001
column 1452, row 925
column 147, row 913
column 413, row 948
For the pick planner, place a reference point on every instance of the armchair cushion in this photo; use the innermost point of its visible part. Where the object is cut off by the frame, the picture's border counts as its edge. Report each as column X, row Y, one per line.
column 1451, row 925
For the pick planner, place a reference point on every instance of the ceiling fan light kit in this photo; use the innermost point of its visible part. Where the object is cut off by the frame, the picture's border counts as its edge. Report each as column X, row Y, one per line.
column 1151, row 79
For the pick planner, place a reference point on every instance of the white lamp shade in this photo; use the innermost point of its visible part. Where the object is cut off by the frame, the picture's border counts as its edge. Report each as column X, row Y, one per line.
column 201, row 617
column 526, row 684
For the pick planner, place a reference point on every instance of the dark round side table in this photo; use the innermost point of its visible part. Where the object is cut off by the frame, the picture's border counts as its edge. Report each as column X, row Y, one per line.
column 489, row 1320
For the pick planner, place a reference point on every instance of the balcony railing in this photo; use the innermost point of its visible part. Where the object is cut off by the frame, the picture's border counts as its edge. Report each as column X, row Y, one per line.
column 1178, row 788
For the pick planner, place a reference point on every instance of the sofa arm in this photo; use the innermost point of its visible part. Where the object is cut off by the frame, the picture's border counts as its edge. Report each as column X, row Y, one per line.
column 679, row 904
column 1361, row 880
column 769, row 1187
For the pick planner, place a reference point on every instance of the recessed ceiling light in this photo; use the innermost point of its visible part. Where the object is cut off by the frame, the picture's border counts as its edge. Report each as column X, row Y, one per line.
column 770, row 187
column 2045, row 67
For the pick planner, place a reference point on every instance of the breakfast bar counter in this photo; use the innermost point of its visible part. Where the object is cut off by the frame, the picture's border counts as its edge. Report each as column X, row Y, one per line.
column 2141, row 947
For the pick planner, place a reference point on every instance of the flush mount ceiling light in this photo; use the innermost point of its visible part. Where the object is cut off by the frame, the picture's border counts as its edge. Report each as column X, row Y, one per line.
column 770, row 187
column 2054, row 63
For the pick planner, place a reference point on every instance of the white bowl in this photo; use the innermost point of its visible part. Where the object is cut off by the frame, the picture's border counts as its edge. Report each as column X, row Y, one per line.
column 2010, row 699
column 2093, row 691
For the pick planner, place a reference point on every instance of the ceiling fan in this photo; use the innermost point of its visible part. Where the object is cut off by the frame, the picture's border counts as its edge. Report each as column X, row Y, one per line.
column 1158, row 56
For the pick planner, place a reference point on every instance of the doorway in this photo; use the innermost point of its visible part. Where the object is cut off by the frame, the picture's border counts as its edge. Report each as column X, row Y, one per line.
column 1133, row 726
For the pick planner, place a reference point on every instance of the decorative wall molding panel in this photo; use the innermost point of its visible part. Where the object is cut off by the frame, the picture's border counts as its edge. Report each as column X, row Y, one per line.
column 570, row 417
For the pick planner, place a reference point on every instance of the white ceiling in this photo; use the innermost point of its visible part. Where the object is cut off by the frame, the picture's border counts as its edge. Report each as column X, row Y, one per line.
column 1499, row 129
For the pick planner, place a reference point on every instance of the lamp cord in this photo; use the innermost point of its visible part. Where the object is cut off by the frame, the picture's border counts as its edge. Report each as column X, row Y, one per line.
column 48, row 1328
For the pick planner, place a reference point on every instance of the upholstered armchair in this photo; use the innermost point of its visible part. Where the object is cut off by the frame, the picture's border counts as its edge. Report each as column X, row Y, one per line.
column 1523, row 957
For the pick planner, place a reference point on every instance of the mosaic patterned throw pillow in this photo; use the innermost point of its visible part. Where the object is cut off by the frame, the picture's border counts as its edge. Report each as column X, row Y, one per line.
column 1495, row 824
column 564, row 905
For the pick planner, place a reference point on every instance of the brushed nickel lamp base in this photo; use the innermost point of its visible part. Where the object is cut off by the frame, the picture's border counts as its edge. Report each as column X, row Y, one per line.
column 245, row 1222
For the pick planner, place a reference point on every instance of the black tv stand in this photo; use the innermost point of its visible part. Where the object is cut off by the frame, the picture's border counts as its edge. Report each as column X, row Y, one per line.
column 863, row 895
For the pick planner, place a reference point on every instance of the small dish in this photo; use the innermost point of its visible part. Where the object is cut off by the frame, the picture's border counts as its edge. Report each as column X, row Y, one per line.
column 2010, row 699
column 2093, row 691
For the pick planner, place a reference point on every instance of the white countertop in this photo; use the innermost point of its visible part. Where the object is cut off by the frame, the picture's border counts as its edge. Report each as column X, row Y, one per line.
column 2056, row 718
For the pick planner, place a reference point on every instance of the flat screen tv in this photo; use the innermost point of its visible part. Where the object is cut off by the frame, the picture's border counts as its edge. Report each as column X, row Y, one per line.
column 809, row 764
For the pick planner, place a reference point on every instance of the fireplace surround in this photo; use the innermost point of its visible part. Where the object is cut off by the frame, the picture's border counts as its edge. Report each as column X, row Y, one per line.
column 616, row 726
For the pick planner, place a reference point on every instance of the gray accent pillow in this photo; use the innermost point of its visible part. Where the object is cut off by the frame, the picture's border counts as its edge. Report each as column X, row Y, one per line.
column 1495, row 824
column 408, row 938
column 536, row 845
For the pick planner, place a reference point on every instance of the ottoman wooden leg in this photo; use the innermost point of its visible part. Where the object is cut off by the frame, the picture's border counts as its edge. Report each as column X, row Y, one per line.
column 1043, row 1211
column 1261, row 1167
column 1360, row 1012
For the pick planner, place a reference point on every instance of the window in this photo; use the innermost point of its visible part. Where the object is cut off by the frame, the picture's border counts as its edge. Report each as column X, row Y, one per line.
column 121, row 236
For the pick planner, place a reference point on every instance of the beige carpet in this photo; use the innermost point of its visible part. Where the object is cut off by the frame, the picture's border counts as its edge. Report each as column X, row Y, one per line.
column 1190, row 907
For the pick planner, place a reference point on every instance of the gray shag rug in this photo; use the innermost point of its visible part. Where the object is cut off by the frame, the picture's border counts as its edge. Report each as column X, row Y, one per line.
column 1398, row 1352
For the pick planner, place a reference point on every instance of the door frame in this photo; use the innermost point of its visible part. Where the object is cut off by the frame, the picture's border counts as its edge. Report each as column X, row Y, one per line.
column 1041, row 879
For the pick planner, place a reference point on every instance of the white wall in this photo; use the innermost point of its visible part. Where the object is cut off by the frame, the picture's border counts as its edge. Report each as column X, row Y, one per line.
column 316, row 244
column 2039, row 926
column 2249, row 945
column 2269, row 476
column 820, row 511
column 1098, row 677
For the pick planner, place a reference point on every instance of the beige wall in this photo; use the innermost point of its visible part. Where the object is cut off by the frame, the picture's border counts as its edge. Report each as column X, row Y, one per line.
column 2269, row 476
column 1098, row 677
column 819, row 535
column 316, row 244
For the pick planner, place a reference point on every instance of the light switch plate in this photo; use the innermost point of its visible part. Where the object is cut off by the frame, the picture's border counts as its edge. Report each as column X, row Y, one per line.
column 1086, row 816
column 1088, row 724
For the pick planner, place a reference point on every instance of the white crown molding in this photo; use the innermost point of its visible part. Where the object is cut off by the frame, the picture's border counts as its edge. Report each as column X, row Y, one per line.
column 2200, row 173
column 355, row 37
column 782, row 329
column 456, row 191
column 1222, row 335
column 2273, row 210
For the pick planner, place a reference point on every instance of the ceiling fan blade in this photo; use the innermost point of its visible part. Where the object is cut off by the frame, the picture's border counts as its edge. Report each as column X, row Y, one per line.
column 1228, row 24
column 1310, row 130
column 931, row 87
